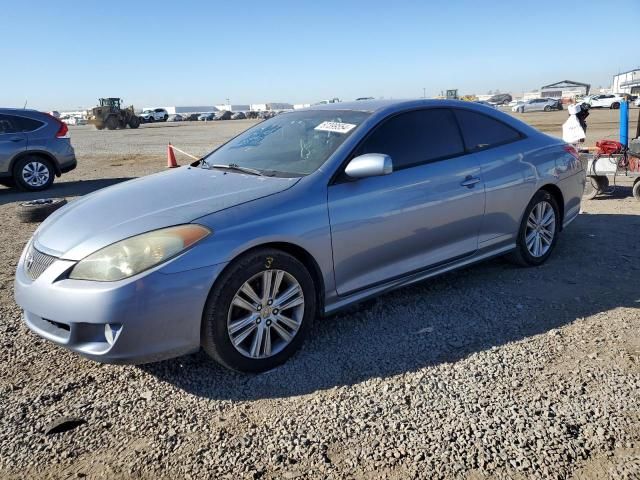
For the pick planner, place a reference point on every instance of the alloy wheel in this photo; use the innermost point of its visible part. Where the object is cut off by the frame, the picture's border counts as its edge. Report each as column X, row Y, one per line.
column 541, row 229
column 265, row 314
column 35, row 174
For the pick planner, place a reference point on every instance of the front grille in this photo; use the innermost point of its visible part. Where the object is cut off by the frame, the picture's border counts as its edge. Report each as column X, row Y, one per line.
column 35, row 262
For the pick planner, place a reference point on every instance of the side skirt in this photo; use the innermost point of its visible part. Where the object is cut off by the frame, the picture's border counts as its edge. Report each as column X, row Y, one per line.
column 337, row 303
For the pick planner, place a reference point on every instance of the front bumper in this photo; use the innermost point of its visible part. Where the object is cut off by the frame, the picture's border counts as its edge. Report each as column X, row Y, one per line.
column 152, row 316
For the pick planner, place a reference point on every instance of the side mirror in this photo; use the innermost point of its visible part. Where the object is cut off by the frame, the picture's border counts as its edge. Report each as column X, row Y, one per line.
column 369, row 165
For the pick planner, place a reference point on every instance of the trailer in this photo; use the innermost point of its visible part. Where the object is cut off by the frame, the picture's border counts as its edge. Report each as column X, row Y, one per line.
column 606, row 171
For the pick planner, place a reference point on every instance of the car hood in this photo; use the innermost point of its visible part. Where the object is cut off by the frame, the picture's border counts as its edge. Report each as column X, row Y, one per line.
column 148, row 203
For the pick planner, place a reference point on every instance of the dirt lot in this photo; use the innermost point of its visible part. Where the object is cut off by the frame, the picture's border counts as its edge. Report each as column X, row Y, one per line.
column 493, row 371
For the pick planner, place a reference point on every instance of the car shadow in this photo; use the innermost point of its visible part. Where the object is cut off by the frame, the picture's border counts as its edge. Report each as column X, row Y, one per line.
column 442, row 320
column 59, row 189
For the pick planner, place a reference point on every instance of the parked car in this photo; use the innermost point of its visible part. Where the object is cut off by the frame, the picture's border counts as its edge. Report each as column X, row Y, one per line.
column 207, row 116
column 238, row 116
column 74, row 120
column 224, row 115
column 513, row 103
column 192, row 117
column 176, row 117
column 155, row 115
column 637, row 102
column 500, row 99
column 486, row 104
column 359, row 99
column 610, row 100
column 295, row 218
column 538, row 104
column 34, row 148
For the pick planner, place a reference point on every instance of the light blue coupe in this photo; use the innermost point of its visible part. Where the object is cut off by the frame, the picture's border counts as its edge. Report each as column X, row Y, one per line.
column 295, row 218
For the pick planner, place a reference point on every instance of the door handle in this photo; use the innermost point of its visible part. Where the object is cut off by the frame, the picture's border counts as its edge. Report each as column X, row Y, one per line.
column 17, row 139
column 469, row 182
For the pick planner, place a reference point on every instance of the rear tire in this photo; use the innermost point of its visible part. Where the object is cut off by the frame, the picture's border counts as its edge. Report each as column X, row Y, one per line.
column 33, row 173
column 545, row 236
column 547, row 108
column 636, row 190
column 222, row 312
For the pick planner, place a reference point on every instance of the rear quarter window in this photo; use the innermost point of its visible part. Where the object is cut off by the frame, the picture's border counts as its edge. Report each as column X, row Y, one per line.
column 480, row 131
column 27, row 124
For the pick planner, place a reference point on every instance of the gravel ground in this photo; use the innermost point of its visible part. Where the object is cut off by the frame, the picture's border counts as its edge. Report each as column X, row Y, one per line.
column 490, row 372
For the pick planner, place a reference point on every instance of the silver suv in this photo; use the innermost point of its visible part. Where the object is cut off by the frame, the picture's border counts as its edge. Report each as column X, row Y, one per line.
column 34, row 147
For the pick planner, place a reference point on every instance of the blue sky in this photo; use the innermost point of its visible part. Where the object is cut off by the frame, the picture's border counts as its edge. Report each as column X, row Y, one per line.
column 59, row 54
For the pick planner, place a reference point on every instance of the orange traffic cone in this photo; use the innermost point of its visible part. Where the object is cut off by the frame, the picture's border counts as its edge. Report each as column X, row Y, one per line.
column 171, row 157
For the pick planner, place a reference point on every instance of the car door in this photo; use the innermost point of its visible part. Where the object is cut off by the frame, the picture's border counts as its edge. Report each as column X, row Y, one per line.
column 12, row 141
column 425, row 213
column 494, row 146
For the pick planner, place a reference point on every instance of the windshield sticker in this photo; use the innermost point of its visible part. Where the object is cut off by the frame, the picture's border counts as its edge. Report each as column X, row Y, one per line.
column 336, row 127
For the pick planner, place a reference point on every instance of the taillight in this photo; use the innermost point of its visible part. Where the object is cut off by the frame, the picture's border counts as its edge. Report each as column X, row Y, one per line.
column 63, row 131
column 571, row 150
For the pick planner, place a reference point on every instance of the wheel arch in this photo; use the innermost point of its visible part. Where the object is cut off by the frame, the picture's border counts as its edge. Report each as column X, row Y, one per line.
column 35, row 153
column 556, row 193
column 298, row 252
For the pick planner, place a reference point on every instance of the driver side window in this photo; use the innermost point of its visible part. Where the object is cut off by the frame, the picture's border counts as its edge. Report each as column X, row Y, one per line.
column 416, row 137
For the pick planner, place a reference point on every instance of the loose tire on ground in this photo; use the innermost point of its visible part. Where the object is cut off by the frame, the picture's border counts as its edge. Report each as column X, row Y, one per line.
column 521, row 255
column 33, row 173
column 219, row 312
column 37, row 210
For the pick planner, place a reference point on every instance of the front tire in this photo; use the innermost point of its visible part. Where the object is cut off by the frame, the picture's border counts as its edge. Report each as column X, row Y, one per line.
column 615, row 106
column 259, row 311
column 134, row 122
column 538, row 231
column 112, row 123
column 547, row 108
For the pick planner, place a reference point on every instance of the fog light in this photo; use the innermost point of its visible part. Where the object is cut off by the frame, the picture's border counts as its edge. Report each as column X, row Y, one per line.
column 111, row 332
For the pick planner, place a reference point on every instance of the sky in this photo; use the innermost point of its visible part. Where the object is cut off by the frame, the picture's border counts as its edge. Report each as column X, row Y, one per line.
column 63, row 55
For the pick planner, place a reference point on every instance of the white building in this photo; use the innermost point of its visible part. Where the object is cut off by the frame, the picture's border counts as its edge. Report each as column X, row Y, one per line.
column 232, row 108
column 566, row 89
column 180, row 109
column 627, row 82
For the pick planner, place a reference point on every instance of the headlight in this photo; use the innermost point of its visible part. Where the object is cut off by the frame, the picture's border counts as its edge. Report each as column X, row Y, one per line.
column 136, row 254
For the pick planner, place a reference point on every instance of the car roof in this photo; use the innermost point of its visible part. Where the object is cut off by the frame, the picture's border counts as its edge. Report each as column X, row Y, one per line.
column 388, row 107
column 19, row 110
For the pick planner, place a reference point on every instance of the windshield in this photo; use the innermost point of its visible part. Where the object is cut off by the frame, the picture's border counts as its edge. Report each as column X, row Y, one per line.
column 295, row 143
